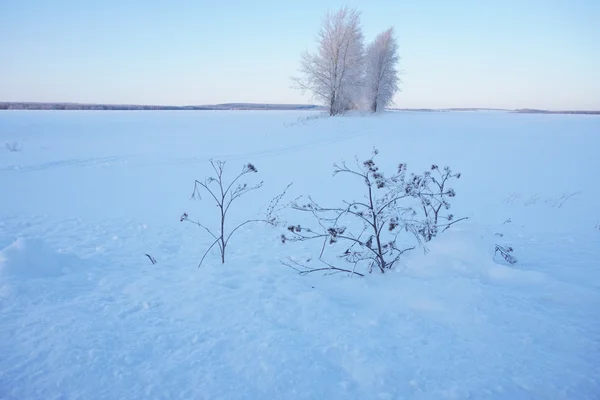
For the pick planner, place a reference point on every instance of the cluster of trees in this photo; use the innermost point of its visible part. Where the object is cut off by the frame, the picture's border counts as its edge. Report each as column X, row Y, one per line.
column 343, row 73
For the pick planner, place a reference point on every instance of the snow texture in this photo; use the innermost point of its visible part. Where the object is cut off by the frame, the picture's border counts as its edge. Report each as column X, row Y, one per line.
column 84, row 314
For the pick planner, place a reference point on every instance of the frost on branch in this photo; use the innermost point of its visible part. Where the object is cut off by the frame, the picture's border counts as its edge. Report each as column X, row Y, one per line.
column 376, row 220
column 433, row 193
column 378, row 228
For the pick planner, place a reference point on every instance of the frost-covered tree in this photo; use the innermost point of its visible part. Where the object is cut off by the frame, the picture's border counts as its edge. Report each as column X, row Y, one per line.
column 334, row 73
column 381, row 81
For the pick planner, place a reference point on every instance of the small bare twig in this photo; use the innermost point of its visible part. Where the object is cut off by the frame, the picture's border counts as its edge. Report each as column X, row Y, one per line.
column 304, row 270
column 512, row 197
column 532, row 200
column 558, row 203
column 208, row 251
column 185, row 217
column 452, row 223
column 274, row 207
column 152, row 259
column 506, row 253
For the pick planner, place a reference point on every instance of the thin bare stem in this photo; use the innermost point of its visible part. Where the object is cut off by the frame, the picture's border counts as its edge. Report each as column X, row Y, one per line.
column 305, row 270
column 207, row 251
column 224, row 195
column 447, row 226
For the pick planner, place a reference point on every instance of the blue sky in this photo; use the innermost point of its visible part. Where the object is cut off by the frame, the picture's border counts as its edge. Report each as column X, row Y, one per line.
column 506, row 54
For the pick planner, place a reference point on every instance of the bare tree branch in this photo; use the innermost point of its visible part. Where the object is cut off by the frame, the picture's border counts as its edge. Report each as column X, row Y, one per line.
column 209, row 249
column 447, row 226
column 304, row 270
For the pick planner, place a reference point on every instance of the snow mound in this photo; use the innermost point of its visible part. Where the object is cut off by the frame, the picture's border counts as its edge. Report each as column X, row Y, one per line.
column 466, row 254
column 28, row 259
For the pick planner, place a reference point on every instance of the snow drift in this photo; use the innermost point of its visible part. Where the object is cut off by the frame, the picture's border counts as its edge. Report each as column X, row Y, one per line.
column 31, row 259
column 467, row 254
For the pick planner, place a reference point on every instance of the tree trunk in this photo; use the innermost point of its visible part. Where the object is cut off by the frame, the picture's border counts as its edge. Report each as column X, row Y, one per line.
column 332, row 110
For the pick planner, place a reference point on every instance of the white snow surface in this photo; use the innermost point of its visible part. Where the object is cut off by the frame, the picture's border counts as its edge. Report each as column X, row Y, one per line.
column 85, row 315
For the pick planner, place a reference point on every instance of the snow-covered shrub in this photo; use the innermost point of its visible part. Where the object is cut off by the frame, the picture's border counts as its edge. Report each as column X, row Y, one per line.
column 370, row 229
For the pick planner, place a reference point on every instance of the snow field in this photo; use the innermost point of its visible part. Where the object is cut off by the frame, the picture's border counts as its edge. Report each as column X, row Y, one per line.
column 84, row 314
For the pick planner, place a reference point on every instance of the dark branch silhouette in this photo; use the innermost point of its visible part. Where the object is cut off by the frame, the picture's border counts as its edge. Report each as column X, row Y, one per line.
column 224, row 195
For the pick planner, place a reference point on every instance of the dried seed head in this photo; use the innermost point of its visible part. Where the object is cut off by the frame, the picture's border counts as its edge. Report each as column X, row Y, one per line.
column 251, row 168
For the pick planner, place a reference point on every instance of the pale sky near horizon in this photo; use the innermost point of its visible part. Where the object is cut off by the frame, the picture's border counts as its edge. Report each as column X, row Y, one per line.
column 507, row 54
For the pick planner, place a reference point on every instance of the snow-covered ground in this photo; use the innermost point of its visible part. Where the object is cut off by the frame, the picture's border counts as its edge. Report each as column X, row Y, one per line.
column 85, row 315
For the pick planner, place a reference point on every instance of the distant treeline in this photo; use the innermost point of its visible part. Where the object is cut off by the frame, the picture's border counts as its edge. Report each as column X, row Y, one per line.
column 78, row 106
column 245, row 106
column 533, row 111
column 522, row 111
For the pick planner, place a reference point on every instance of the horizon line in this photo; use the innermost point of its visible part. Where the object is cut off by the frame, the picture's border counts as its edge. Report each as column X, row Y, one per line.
column 36, row 105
